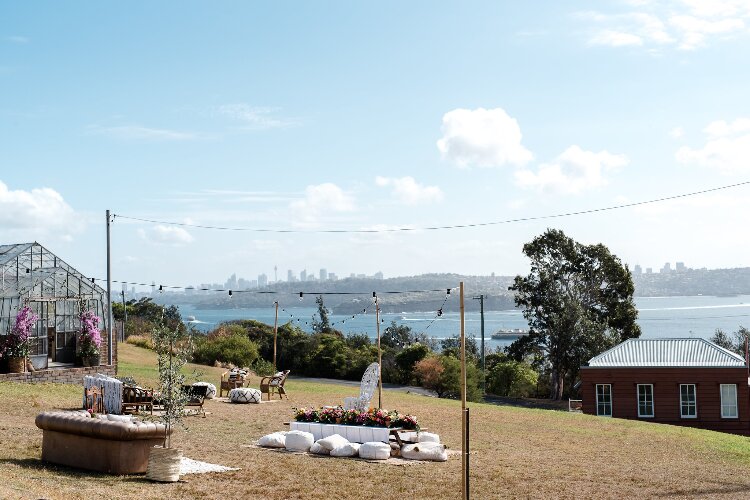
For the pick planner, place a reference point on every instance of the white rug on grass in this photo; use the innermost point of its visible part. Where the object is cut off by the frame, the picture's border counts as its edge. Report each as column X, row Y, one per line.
column 190, row 466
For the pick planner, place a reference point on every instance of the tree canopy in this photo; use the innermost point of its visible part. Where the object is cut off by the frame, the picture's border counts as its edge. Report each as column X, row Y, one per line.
column 578, row 301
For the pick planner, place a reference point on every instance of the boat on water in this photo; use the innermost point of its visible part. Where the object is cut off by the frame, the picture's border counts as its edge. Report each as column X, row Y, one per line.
column 509, row 333
column 191, row 319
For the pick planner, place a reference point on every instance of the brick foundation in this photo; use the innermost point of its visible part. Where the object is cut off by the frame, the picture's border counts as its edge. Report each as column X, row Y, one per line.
column 73, row 375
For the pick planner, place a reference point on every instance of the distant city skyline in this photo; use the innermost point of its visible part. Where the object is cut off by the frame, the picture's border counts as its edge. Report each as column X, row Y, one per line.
column 275, row 116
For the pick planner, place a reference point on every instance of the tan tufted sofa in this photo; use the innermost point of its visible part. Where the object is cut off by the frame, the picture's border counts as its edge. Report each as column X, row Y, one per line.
column 115, row 447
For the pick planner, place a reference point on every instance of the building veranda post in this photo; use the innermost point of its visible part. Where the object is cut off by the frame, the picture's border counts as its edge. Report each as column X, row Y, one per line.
column 31, row 275
column 691, row 382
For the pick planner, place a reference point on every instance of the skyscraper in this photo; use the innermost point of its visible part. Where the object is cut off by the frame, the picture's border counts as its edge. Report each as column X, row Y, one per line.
column 323, row 274
column 303, row 275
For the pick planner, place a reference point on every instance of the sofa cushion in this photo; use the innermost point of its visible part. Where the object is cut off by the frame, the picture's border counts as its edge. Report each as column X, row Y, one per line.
column 210, row 392
column 244, row 395
column 333, row 441
column 299, row 441
column 346, row 450
column 375, row 451
column 425, row 451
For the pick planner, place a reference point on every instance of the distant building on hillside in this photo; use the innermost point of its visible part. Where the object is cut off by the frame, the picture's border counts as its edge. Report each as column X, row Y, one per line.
column 667, row 268
column 649, row 270
column 303, row 275
column 323, row 274
column 637, row 270
column 262, row 280
column 333, row 276
column 690, row 382
column 680, row 267
column 290, row 276
column 378, row 275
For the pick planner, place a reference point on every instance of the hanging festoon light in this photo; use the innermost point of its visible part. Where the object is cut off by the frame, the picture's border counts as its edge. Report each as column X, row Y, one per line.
column 161, row 288
column 301, row 296
column 230, row 293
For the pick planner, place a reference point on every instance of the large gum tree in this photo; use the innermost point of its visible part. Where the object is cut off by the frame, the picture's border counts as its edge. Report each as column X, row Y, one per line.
column 578, row 301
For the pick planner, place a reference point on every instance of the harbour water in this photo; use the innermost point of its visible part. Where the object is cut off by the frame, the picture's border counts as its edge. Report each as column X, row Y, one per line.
column 673, row 317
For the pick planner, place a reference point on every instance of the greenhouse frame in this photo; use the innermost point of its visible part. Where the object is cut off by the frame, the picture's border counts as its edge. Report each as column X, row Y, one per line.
column 57, row 293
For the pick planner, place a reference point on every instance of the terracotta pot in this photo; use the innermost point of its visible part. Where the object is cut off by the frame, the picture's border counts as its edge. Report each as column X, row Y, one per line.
column 164, row 464
column 16, row 365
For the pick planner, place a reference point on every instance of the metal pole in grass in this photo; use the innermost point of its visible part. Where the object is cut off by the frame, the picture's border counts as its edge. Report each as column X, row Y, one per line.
column 380, row 353
column 464, row 471
column 275, row 332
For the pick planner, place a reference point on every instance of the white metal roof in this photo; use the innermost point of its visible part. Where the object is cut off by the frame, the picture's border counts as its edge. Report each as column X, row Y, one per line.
column 667, row 352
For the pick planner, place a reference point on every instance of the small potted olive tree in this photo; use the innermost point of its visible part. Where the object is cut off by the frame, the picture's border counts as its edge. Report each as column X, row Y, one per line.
column 173, row 348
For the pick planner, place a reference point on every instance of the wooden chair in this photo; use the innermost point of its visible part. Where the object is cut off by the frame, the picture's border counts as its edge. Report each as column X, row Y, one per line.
column 135, row 398
column 274, row 384
column 196, row 395
column 228, row 383
column 94, row 399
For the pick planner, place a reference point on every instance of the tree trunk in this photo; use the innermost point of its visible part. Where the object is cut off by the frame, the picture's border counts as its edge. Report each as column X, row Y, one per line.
column 558, row 382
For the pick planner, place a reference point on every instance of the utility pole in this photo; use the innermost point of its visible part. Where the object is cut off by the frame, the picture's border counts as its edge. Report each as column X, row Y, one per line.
column 380, row 352
column 481, row 314
column 109, row 296
column 275, row 333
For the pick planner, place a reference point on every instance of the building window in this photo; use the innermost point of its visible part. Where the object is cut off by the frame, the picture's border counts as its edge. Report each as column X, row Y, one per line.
column 604, row 400
column 728, row 401
column 687, row 401
column 645, row 400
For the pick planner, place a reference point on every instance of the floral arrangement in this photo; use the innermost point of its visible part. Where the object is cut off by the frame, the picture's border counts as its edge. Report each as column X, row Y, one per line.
column 371, row 418
column 17, row 344
column 89, row 339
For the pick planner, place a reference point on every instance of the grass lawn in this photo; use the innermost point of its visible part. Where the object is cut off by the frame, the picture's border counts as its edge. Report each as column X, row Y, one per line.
column 516, row 452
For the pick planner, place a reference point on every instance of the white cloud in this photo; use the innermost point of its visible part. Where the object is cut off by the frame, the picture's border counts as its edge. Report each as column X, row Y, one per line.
column 166, row 235
column 683, row 24
column 409, row 192
column 727, row 147
column 320, row 200
column 572, row 172
column 255, row 118
column 482, row 137
column 677, row 133
column 137, row 132
column 38, row 209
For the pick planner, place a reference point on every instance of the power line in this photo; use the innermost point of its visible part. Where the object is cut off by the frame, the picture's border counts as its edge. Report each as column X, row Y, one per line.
column 436, row 228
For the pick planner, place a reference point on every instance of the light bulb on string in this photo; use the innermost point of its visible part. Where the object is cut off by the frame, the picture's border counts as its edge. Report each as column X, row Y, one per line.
column 230, row 293
column 301, row 296
column 161, row 288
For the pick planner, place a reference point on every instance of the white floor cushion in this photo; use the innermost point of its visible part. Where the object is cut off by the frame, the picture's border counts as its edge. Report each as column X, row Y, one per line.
column 347, row 450
column 425, row 451
column 375, row 451
column 210, row 392
column 244, row 395
column 333, row 441
column 428, row 437
column 299, row 441
column 319, row 450
column 273, row 440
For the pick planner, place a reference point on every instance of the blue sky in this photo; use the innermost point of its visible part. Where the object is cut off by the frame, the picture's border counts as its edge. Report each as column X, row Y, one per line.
column 344, row 115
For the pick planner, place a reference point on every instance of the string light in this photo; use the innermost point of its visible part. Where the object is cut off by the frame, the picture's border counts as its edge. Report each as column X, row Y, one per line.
column 454, row 226
column 230, row 293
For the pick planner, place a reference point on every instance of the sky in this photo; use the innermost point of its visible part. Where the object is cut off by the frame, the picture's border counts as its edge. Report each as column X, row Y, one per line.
column 312, row 116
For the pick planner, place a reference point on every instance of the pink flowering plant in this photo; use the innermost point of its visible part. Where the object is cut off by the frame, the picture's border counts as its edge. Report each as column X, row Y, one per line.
column 89, row 339
column 17, row 344
column 371, row 418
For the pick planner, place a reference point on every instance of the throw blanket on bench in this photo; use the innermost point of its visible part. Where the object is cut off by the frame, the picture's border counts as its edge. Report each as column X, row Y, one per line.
column 112, row 391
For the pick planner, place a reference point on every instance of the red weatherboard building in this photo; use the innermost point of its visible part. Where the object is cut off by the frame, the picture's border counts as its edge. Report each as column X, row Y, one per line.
column 671, row 381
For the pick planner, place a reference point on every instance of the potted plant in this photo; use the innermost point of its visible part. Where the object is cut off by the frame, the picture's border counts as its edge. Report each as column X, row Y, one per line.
column 89, row 339
column 173, row 347
column 16, row 346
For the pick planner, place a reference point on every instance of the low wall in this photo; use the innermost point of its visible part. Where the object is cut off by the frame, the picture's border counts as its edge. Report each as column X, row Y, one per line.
column 73, row 375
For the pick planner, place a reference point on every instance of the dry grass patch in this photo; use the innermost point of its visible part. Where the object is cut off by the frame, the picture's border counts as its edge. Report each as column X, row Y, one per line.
column 516, row 452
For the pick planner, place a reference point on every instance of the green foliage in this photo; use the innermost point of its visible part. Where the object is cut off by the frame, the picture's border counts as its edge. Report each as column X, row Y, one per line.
column 442, row 374
column 144, row 315
column 512, row 378
column 407, row 358
column 262, row 368
column 735, row 342
column 322, row 324
column 229, row 345
column 452, row 347
column 578, row 300
column 396, row 336
column 173, row 348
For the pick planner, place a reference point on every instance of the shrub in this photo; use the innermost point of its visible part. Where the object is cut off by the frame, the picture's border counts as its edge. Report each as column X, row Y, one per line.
column 512, row 378
column 230, row 347
column 262, row 368
column 144, row 341
column 407, row 358
column 442, row 374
